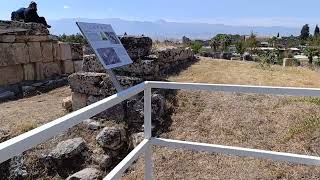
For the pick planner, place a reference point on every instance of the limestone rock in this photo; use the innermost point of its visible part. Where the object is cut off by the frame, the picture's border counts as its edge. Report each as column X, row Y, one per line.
column 18, row 169
column 11, row 74
column 21, row 28
column 34, row 50
column 95, row 125
column 47, row 51
column 65, row 51
column 136, row 139
column 137, row 46
column 92, row 64
column 76, row 51
column 104, row 161
column 56, row 51
column 29, row 72
column 86, row 83
column 67, row 67
column 86, row 174
column 77, row 65
column 47, row 70
column 112, row 138
column 7, row 38
column 67, row 103
column 69, row 148
column 11, row 54
column 87, row 50
column 78, row 101
column 98, row 84
column 67, row 157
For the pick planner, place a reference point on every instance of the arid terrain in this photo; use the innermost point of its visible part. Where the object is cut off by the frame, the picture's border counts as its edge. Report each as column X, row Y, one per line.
column 278, row 123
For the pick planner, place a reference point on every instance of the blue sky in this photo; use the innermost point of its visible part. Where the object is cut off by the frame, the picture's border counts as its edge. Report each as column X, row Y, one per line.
column 291, row 13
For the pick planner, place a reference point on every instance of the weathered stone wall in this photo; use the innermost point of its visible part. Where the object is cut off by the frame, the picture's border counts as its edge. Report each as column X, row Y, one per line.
column 29, row 53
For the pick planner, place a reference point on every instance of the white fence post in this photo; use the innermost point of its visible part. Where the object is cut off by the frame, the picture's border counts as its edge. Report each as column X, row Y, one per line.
column 148, row 132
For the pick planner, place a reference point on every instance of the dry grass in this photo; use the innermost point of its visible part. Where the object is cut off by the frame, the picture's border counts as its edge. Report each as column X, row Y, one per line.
column 25, row 114
column 277, row 123
column 208, row 70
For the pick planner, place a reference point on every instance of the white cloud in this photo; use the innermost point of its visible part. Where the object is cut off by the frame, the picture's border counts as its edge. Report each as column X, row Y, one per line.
column 66, row 7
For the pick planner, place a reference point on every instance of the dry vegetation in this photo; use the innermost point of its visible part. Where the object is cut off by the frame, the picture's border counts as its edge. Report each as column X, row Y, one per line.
column 277, row 123
column 26, row 114
column 247, row 73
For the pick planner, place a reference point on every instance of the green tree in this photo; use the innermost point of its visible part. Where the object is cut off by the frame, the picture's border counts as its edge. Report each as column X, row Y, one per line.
column 222, row 41
column 311, row 51
column 316, row 31
column 241, row 48
column 252, row 42
column 74, row 38
column 196, row 46
column 305, row 32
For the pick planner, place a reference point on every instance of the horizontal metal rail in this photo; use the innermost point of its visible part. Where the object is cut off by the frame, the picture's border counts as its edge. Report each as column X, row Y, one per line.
column 23, row 142
column 293, row 91
column 238, row 151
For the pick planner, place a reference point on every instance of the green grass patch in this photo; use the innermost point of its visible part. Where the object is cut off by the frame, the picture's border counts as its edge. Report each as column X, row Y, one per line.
column 307, row 125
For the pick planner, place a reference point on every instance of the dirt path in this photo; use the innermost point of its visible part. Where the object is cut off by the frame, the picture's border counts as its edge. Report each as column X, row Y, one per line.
column 25, row 114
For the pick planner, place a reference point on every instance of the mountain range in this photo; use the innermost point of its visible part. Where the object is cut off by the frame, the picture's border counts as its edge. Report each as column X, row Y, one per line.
column 162, row 29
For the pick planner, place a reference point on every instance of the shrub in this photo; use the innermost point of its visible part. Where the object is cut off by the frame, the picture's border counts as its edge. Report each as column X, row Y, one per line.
column 196, row 46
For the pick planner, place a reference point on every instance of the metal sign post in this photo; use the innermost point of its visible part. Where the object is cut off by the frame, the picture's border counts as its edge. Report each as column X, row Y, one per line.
column 107, row 47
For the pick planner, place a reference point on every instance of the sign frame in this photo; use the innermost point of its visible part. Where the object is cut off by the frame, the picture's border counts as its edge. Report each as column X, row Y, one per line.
column 110, row 44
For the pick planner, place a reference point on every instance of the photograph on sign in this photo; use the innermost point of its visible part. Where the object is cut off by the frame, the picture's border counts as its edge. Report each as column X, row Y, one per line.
column 106, row 44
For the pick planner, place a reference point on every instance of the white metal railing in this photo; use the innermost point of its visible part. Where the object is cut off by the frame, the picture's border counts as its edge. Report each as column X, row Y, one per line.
column 19, row 144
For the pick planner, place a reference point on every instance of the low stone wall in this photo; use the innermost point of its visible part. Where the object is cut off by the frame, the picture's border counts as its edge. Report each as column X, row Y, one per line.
column 29, row 55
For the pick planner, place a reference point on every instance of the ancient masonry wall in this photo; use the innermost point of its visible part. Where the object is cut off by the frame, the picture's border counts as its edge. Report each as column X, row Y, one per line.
column 28, row 53
column 93, row 84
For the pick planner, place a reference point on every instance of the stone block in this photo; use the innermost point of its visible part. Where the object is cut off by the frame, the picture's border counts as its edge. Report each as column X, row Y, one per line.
column 47, row 51
column 47, row 70
column 77, row 65
column 35, row 54
column 56, row 52
column 29, row 72
column 92, row 64
column 7, row 38
column 137, row 46
column 87, row 83
column 79, row 101
column 87, row 174
column 98, row 84
column 13, row 53
column 67, row 67
column 67, row 103
column 11, row 74
column 65, row 50
column 34, row 38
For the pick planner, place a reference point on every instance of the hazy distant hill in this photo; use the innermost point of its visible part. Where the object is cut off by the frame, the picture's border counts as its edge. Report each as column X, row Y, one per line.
column 162, row 29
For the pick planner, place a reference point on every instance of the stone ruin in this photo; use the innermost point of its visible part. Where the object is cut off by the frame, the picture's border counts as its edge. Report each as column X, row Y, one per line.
column 93, row 84
column 35, row 56
column 31, row 59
